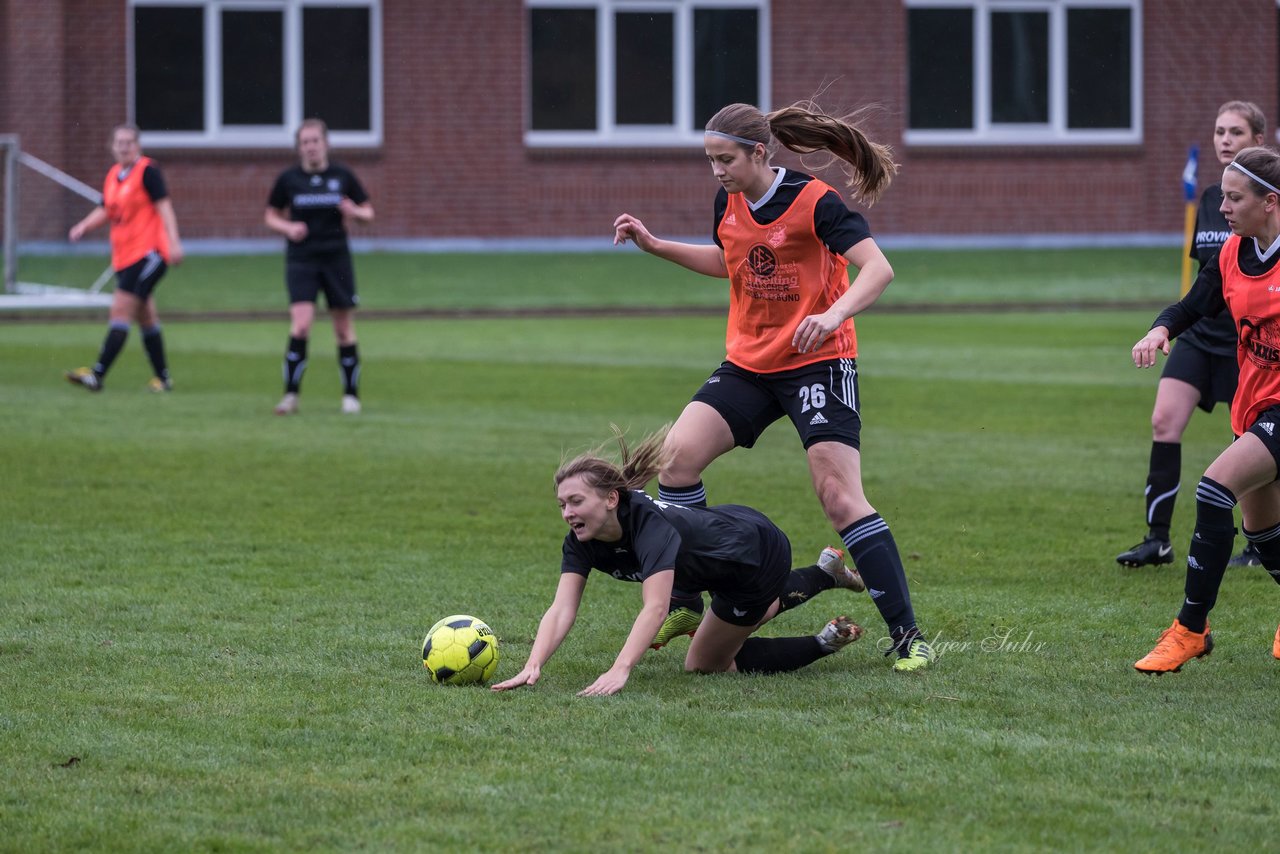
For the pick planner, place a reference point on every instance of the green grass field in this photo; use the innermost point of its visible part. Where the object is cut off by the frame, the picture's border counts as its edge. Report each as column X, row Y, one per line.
column 210, row 618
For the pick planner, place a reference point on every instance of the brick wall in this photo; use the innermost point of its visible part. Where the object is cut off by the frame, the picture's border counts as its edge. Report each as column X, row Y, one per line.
column 453, row 163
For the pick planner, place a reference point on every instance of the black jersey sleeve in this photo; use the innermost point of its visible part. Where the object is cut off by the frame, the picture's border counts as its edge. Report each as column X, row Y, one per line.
column 1211, row 229
column 1203, row 300
column 354, row 189
column 655, row 540
column 573, row 557
column 837, row 226
column 279, row 196
column 153, row 181
column 721, row 205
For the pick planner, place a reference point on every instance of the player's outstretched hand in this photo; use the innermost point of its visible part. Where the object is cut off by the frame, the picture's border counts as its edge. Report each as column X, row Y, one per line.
column 626, row 227
column 1144, row 352
column 528, row 676
column 610, row 682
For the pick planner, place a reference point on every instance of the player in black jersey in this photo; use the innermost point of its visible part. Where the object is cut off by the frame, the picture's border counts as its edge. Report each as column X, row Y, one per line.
column 731, row 551
column 1201, row 370
column 310, row 204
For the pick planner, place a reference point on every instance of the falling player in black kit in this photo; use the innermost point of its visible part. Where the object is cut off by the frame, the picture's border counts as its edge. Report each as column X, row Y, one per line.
column 1202, row 369
column 732, row 551
column 309, row 204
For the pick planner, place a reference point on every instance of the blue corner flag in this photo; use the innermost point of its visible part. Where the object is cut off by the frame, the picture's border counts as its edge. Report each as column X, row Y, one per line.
column 1189, row 175
column 1189, row 219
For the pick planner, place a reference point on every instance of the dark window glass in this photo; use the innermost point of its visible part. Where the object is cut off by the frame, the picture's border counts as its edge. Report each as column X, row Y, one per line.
column 644, row 79
column 562, row 80
column 1019, row 67
column 252, row 68
column 336, row 64
column 168, row 49
column 1099, row 91
column 726, row 61
column 940, row 69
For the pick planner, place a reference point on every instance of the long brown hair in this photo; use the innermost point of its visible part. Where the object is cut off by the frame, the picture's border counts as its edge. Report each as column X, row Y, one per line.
column 806, row 128
column 638, row 465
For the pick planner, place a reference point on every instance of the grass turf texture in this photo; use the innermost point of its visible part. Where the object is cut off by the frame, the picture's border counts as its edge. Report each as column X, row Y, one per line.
column 216, row 613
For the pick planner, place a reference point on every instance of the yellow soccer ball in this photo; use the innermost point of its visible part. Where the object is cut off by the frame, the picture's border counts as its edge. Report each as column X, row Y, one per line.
column 460, row 650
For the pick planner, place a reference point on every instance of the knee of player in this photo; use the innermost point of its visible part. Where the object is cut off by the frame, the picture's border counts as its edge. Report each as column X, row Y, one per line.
column 1165, row 427
column 840, row 503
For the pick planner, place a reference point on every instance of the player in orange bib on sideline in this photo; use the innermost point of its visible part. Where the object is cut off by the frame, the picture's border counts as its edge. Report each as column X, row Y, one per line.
column 784, row 240
column 1243, row 279
column 144, row 242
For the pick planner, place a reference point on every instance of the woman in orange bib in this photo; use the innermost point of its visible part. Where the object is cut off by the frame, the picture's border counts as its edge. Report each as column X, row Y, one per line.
column 1244, row 280
column 144, row 242
column 785, row 241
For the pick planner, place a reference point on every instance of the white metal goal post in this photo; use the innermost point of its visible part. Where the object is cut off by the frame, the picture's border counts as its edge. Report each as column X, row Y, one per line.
column 24, row 294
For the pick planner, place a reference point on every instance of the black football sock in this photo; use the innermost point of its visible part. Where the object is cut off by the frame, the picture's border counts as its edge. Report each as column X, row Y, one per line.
column 687, row 496
column 295, row 364
column 802, row 585
column 681, row 599
column 1162, row 486
column 875, row 555
column 777, row 655
column 1209, row 552
column 117, row 333
column 349, row 363
column 1267, row 545
column 153, row 341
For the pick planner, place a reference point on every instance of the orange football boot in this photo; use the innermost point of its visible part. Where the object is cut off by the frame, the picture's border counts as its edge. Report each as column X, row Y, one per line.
column 1275, row 645
column 1177, row 646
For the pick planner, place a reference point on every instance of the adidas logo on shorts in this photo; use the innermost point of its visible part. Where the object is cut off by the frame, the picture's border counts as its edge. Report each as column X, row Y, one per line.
column 817, row 419
column 1267, row 427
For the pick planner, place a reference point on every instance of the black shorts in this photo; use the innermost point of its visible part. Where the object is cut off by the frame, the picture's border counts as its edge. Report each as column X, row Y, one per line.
column 1214, row 376
column 820, row 399
column 141, row 277
column 333, row 274
column 1267, row 428
column 755, row 586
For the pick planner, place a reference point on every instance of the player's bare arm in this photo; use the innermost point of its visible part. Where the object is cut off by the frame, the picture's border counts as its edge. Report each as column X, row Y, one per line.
column 656, row 593
column 705, row 259
column 278, row 221
column 873, row 276
column 164, row 207
column 95, row 219
column 553, row 628
column 362, row 214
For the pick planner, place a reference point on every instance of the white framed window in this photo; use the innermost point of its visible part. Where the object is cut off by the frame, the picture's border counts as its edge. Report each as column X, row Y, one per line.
column 245, row 73
column 640, row 72
column 1024, row 72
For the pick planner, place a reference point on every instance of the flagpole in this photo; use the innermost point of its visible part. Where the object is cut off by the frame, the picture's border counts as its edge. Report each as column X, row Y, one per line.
column 1189, row 217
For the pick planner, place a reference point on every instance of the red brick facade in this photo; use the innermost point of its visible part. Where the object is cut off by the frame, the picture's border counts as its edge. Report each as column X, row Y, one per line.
column 453, row 162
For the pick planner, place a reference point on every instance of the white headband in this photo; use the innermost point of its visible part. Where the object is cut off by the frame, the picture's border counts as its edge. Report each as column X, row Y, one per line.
column 1247, row 172
column 740, row 139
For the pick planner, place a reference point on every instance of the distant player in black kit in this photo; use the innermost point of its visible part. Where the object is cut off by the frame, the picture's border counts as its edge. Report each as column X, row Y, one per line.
column 1202, row 369
column 734, row 552
column 309, row 205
